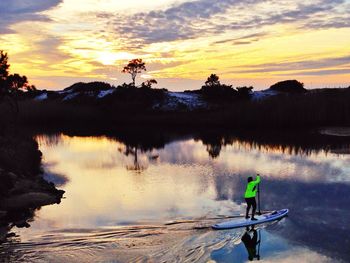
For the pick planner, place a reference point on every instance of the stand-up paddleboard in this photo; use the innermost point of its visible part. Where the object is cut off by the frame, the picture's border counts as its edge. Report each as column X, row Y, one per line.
column 248, row 222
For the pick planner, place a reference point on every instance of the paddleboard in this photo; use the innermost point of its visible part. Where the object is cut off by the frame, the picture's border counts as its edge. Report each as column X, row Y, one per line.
column 248, row 222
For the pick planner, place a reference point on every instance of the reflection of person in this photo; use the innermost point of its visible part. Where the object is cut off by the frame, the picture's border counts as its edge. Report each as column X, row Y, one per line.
column 250, row 194
column 250, row 243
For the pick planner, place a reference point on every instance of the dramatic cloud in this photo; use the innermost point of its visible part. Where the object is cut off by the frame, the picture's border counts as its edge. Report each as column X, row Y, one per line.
column 206, row 17
column 250, row 42
column 184, row 21
column 14, row 11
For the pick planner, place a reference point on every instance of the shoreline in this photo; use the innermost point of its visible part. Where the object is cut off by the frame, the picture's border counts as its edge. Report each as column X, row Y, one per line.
column 312, row 109
column 23, row 189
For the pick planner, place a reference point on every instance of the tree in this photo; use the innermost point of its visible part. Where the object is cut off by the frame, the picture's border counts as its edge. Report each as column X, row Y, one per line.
column 148, row 83
column 4, row 71
column 289, row 86
column 15, row 82
column 11, row 85
column 212, row 81
column 134, row 67
column 244, row 92
column 215, row 91
column 4, row 66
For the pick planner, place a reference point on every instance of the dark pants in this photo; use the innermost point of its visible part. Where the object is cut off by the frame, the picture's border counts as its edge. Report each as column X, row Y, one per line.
column 250, row 203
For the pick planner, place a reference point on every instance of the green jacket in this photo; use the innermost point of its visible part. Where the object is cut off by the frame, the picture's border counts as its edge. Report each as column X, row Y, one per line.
column 251, row 188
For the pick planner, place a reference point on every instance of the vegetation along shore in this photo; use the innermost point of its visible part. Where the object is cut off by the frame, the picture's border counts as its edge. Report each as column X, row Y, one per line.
column 286, row 104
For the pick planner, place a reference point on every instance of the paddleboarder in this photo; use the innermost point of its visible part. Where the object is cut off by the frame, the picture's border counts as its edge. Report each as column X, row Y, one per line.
column 250, row 194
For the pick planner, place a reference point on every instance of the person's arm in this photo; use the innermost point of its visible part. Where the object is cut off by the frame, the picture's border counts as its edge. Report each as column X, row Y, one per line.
column 257, row 180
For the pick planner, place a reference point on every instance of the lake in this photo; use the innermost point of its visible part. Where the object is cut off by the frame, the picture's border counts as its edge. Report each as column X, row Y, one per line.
column 135, row 198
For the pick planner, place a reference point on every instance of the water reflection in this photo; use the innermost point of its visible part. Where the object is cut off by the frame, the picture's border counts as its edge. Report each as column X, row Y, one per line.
column 133, row 151
column 251, row 240
column 198, row 178
column 291, row 143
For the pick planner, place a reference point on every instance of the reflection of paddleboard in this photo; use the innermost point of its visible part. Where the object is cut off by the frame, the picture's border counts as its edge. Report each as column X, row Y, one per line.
column 247, row 222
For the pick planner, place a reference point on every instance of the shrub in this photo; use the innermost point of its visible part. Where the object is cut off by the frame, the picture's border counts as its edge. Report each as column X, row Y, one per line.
column 289, row 86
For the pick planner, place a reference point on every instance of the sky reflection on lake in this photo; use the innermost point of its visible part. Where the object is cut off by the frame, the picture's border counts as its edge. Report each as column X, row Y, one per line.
column 182, row 181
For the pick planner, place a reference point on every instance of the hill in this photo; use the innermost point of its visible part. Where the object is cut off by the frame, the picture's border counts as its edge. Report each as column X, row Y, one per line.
column 101, row 104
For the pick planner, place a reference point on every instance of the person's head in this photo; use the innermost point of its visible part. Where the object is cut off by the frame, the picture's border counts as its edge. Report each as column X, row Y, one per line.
column 250, row 179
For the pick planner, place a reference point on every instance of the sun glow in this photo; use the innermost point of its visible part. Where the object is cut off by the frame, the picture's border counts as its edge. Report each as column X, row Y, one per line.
column 93, row 38
column 110, row 58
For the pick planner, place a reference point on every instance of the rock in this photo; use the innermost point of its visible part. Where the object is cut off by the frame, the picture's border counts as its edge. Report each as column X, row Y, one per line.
column 22, row 188
column 22, row 224
column 3, row 232
column 10, row 235
column 28, row 200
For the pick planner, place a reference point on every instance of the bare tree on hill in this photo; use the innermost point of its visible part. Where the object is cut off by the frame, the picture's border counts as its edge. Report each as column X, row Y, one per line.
column 134, row 67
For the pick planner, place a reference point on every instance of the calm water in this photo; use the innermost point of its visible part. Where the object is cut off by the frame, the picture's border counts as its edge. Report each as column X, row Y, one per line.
column 127, row 201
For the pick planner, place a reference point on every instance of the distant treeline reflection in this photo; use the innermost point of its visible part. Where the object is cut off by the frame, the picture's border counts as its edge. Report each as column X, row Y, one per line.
column 291, row 142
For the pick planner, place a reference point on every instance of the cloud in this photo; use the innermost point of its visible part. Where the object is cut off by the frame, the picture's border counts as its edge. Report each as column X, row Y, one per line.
column 44, row 54
column 325, row 72
column 14, row 11
column 301, row 65
column 246, row 39
column 175, row 23
column 339, row 18
column 206, row 17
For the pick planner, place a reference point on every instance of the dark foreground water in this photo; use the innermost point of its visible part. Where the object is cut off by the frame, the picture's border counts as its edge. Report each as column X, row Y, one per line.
column 150, row 201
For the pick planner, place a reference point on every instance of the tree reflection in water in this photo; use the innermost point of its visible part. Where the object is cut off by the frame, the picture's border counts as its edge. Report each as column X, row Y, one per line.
column 307, row 187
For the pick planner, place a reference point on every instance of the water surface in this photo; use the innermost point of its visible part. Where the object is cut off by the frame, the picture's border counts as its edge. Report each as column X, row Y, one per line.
column 130, row 201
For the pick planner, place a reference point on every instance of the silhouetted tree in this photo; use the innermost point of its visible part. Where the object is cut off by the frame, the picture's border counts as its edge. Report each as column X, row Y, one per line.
column 289, row 86
column 16, row 83
column 11, row 85
column 212, row 81
column 134, row 67
column 4, row 71
column 95, row 86
column 244, row 92
column 214, row 90
column 148, row 83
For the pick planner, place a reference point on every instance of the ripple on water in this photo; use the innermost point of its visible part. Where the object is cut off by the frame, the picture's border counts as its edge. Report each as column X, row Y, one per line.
column 179, row 241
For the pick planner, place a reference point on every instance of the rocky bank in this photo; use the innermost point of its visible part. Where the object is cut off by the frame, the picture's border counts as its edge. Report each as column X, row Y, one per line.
column 22, row 188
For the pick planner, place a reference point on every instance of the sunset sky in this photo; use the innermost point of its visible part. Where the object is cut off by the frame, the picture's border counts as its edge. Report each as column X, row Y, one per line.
column 56, row 43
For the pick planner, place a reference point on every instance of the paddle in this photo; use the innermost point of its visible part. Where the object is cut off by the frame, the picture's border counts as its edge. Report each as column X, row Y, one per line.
column 259, row 212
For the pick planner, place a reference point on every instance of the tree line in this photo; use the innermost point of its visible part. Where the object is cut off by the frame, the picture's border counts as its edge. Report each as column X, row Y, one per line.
column 213, row 89
column 11, row 83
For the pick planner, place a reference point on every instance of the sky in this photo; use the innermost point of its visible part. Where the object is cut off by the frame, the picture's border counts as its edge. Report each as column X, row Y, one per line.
column 56, row 43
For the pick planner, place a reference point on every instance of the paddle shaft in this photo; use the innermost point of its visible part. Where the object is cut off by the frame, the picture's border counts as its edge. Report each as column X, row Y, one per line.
column 259, row 211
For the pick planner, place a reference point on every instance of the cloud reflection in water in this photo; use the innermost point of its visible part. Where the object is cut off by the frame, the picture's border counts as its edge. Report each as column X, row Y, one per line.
column 185, row 182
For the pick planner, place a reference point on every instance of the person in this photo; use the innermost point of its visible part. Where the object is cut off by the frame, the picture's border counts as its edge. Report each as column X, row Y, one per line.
column 250, row 194
column 250, row 243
